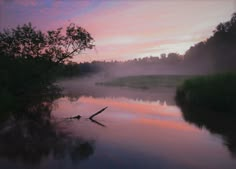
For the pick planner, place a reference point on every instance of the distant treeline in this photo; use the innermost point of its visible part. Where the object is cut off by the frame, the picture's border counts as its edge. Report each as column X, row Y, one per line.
column 31, row 60
column 72, row 69
column 215, row 54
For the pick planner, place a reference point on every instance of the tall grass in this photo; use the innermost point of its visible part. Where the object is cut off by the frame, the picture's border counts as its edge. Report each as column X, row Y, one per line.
column 216, row 93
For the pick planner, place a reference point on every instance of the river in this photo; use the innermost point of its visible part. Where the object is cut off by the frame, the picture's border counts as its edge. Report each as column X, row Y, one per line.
column 139, row 129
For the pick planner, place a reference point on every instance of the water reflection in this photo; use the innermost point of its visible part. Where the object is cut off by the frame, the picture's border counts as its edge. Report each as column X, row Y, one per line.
column 86, row 87
column 139, row 133
column 139, row 130
column 29, row 136
column 222, row 124
column 30, row 142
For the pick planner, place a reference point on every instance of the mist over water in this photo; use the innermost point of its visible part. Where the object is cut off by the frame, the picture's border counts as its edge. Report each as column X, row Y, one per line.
column 141, row 125
column 150, row 112
column 88, row 87
column 123, row 69
column 141, row 128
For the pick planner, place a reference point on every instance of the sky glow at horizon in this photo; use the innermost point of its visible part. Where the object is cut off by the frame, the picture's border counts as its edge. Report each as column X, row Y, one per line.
column 124, row 30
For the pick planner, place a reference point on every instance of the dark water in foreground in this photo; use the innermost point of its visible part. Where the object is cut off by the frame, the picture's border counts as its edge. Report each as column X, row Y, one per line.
column 139, row 129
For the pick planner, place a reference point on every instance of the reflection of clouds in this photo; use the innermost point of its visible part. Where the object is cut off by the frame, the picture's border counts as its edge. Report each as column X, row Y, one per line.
column 164, row 123
column 150, row 130
column 87, row 105
column 129, row 104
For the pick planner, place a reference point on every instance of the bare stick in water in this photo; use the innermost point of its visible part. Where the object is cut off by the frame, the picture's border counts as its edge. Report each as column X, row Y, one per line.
column 95, row 114
column 76, row 117
column 96, row 122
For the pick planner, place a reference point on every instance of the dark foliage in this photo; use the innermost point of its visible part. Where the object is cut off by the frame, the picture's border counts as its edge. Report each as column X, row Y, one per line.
column 27, row 42
column 213, row 93
column 28, row 135
column 31, row 59
column 216, row 122
column 217, row 53
column 72, row 69
column 209, row 101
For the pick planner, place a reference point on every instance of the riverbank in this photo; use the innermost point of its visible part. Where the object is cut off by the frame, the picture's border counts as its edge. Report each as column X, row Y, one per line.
column 215, row 93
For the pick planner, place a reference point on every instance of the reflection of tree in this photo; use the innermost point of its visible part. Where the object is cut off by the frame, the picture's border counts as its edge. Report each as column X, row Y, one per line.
column 215, row 123
column 30, row 141
column 29, row 135
column 36, row 105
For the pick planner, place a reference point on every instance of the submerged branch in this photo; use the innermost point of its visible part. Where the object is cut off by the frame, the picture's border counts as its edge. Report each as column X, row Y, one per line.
column 91, row 117
column 98, row 123
column 95, row 114
column 74, row 117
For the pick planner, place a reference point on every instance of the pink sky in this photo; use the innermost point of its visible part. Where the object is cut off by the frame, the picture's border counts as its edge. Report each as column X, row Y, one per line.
column 125, row 29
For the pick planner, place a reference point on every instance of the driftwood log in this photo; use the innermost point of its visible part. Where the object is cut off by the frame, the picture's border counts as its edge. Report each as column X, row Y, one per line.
column 91, row 117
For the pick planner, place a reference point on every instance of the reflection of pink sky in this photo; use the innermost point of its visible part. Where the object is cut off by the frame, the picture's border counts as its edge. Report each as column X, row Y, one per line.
column 145, row 113
column 176, row 125
column 118, row 104
column 167, row 136
column 126, row 29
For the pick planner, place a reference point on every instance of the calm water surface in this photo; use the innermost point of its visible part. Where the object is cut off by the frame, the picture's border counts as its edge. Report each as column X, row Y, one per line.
column 139, row 129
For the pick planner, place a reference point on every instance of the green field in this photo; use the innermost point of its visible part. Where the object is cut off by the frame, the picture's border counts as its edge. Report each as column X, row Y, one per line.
column 146, row 81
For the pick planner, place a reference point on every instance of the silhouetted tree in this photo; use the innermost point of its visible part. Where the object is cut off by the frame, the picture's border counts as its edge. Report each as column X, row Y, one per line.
column 27, row 42
column 29, row 59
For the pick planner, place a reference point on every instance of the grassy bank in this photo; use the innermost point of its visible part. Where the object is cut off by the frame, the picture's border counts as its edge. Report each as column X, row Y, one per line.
column 215, row 93
column 146, row 81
